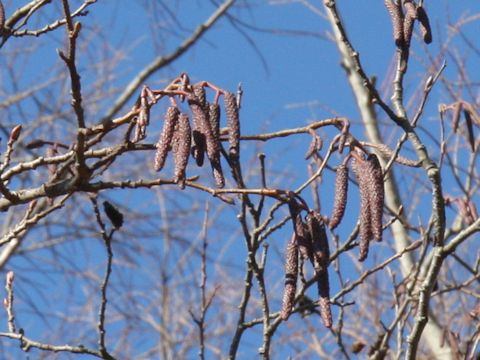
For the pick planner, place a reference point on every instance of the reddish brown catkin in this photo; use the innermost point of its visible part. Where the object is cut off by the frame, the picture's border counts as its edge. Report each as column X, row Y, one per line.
column 212, row 145
column 397, row 22
column 201, row 95
column 299, row 228
column 340, row 201
column 409, row 21
column 361, row 172
column 318, row 236
column 377, row 195
column 163, row 145
column 321, row 252
column 214, row 118
column 291, row 274
column 181, row 148
column 2, row 17
column 425, row 28
column 233, row 122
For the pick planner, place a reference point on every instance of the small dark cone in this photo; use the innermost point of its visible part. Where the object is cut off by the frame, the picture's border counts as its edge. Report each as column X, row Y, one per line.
column 182, row 140
column 377, row 195
column 360, row 168
column 291, row 274
column 468, row 122
column 115, row 216
column 396, row 15
column 233, row 122
column 163, row 144
column 425, row 28
column 340, row 201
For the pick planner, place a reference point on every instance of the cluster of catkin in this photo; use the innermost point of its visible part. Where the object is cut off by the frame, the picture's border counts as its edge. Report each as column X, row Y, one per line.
column 309, row 241
column 404, row 13
column 369, row 174
column 200, row 136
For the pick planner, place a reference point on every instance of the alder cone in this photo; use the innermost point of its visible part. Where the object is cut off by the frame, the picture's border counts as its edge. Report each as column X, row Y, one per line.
column 425, row 28
column 163, row 145
column 233, row 122
column 115, row 216
column 397, row 22
column 182, row 140
column 376, row 194
column 360, row 168
column 340, row 201
column 291, row 274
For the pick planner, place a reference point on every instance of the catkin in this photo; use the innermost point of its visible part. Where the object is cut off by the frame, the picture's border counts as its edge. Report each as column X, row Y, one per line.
column 233, row 122
column 2, row 17
column 323, row 285
column 163, row 144
column 409, row 21
column 376, row 195
column 201, row 95
column 361, row 172
column 397, row 22
column 318, row 236
column 181, row 148
column 340, row 200
column 212, row 144
column 198, row 148
column 425, row 28
column 291, row 274
column 214, row 118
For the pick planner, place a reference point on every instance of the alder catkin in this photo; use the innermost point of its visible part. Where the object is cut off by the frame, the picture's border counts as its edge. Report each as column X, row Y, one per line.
column 425, row 28
column 360, row 168
column 2, row 17
column 340, row 200
column 396, row 15
column 182, row 140
column 233, row 122
column 318, row 235
column 201, row 95
column 409, row 21
column 376, row 194
column 163, row 144
column 323, row 285
column 291, row 274
column 212, row 145
column 214, row 118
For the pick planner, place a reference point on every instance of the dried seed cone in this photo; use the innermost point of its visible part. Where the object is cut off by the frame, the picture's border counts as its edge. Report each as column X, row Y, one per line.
column 396, row 15
column 182, row 140
column 233, row 122
column 340, row 201
column 360, row 168
column 323, row 285
column 291, row 274
column 163, row 144
column 457, row 109
column 425, row 28
column 115, row 216
column 377, row 195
